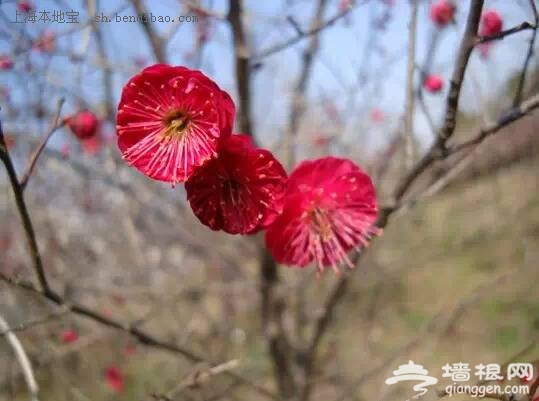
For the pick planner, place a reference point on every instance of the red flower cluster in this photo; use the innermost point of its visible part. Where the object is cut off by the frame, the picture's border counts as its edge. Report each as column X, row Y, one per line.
column 442, row 12
column 175, row 125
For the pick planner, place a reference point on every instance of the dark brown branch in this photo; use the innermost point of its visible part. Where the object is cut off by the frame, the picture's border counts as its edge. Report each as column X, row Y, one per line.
column 507, row 118
column 55, row 124
column 243, row 78
column 156, row 42
column 45, row 290
column 465, row 50
column 272, row 304
column 272, row 322
column 24, row 215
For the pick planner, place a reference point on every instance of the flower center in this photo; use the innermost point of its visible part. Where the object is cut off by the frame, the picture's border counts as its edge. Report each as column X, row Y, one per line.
column 233, row 189
column 176, row 124
column 321, row 223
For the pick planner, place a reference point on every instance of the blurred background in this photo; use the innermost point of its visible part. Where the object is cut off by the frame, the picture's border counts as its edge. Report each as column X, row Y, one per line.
column 452, row 279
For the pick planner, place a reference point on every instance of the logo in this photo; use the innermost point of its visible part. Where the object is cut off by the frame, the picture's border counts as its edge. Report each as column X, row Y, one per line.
column 461, row 372
column 413, row 372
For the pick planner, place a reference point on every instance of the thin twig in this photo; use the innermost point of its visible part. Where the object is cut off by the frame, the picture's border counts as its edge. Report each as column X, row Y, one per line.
column 32, row 323
column 527, row 60
column 298, row 94
column 55, row 124
column 296, row 39
column 452, row 101
column 156, row 42
column 507, row 32
column 409, row 112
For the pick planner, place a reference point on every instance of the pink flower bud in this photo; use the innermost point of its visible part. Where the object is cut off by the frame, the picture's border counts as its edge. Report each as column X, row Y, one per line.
column 433, row 83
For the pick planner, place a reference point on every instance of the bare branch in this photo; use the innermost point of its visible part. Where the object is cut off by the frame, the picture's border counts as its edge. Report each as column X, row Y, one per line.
column 156, row 42
column 296, row 39
column 243, row 77
column 527, row 60
column 465, row 50
column 142, row 336
column 507, row 32
column 55, row 124
column 506, row 118
column 409, row 113
column 24, row 215
column 298, row 94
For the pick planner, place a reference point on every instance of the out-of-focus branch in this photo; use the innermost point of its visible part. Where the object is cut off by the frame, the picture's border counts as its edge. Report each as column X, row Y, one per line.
column 36, row 322
column 142, row 336
column 506, row 118
column 47, row 292
column 54, row 125
column 93, row 6
column 156, row 42
column 272, row 321
column 529, row 54
column 198, row 378
column 22, row 358
column 243, row 76
column 312, row 31
column 409, row 109
column 437, row 323
column 272, row 303
column 298, row 94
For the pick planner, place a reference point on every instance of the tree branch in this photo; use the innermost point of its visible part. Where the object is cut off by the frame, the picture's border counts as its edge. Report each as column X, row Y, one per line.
column 243, row 76
column 55, row 124
column 156, row 41
column 298, row 94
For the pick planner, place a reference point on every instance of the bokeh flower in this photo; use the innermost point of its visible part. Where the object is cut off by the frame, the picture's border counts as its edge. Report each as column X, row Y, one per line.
column 329, row 208
column 115, row 378
column 170, row 121
column 69, row 336
column 240, row 191
column 83, row 124
column 491, row 23
column 46, row 42
column 442, row 12
column 433, row 83
column 6, row 62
